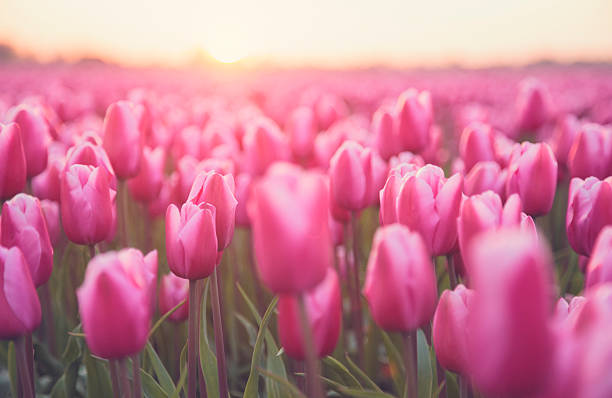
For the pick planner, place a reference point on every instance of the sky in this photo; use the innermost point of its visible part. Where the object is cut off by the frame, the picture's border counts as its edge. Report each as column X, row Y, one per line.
column 326, row 33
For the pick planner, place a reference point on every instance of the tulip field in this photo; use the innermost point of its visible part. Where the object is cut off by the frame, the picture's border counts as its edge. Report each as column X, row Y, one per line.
column 305, row 233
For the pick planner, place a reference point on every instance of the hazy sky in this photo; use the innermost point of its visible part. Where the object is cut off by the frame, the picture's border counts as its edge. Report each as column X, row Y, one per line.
column 314, row 32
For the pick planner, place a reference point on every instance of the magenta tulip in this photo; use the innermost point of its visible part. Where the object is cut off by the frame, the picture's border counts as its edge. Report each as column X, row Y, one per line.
column 173, row 290
column 34, row 136
column 591, row 152
column 122, row 138
column 477, row 144
column 388, row 194
column 413, row 118
column 386, row 138
column 243, row 188
column 264, row 144
column 146, row 185
column 599, row 268
column 346, row 176
column 563, row 137
column 12, row 161
column 46, row 185
column 485, row 176
column 533, row 105
column 51, row 211
column 302, row 130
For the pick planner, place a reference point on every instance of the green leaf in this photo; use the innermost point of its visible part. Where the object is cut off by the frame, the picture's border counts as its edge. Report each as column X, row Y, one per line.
column 398, row 369
column 425, row 377
column 252, row 385
column 361, row 374
column 208, row 360
column 72, row 360
column 98, row 379
column 164, row 317
column 249, row 327
column 150, row 386
column 59, row 389
column 365, row 393
column 342, row 371
column 165, row 381
column 295, row 392
column 181, row 383
column 12, row 368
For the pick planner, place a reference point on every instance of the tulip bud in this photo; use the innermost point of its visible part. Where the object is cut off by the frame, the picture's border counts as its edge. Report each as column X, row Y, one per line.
column 173, row 290
column 191, row 240
column 122, row 140
column 24, row 226
column 533, row 105
column 19, row 305
column 288, row 209
column 324, row 310
column 346, row 176
column 243, row 187
column 485, row 176
column 90, row 153
column 386, row 139
column 510, row 340
column 86, row 204
column 563, row 137
column 413, row 118
column 532, row 174
column 146, row 185
column 591, row 152
column 599, row 268
column 477, row 144
column 46, row 185
column 588, row 211
column 116, row 303
column 400, row 284
column 264, row 144
column 34, row 136
column 12, row 161
column 51, row 212
column 388, row 195
column 449, row 331
column 218, row 190
column 302, row 130
column 429, row 203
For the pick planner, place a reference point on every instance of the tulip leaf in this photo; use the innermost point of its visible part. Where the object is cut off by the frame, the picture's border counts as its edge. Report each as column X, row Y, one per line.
column 165, row 381
column 425, row 376
column 164, row 317
column 342, row 371
column 208, row 360
column 249, row 327
column 361, row 374
column 58, row 390
column 181, row 384
column 71, row 358
column 151, row 388
column 252, row 386
column 354, row 392
column 398, row 368
column 293, row 390
column 12, row 368
column 98, row 379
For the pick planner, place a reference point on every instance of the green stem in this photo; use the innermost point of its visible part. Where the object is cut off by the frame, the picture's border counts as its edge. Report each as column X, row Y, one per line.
column 136, row 375
column 219, row 343
column 112, row 364
column 410, row 359
column 192, row 340
column 23, row 367
column 313, row 380
column 123, row 378
column 452, row 274
column 356, row 307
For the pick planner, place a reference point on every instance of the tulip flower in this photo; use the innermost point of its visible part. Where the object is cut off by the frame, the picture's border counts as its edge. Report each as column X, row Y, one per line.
column 12, row 161
column 173, row 290
column 264, row 144
column 599, row 268
column 563, row 137
column 510, row 339
column 400, row 284
column 288, row 209
column 191, row 240
column 532, row 174
column 24, row 226
column 591, row 152
column 243, row 187
column 218, row 190
column 413, row 118
column 533, row 105
column 324, row 310
column 485, row 176
column 388, row 194
column 407, row 157
column 19, row 305
column 146, row 185
column 429, row 203
column 477, row 144
column 588, row 211
column 386, row 137
column 51, row 211
column 302, row 130
column 450, row 329
column 116, row 302
column 46, row 185
column 34, row 136
column 122, row 138
column 86, row 204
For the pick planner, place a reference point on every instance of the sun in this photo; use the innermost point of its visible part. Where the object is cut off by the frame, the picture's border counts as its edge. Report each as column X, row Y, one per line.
column 226, row 55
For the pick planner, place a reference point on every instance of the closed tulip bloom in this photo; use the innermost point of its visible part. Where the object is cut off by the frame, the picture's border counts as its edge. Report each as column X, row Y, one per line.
column 302, row 130
column 146, row 185
column 532, row 174
column 485, row 176
column 12, row 161
column 51, row 211
column 400, row 284
column 243, row 188
column 288, row 209
column 116, row 303
column 429, row 203
column 388, row 195
column 346, row 176
column 19, row 305
column 375, row 170
column 324, row 309
column 450, row 329
column 218, row 190
column 24, row 226
column 191, row 240
column 563, row 137
column 599, row 268
column 588, row 211
column 510, row 339
column 46, row 185
column 34, row 136
column 386, row 139
column 263, row 145
column 122, row 138
column 413, row 118
column 591, row 152
column 477, row 144
column 86, row 204
column 90, row 153
column 533, row 105
column 173, row 290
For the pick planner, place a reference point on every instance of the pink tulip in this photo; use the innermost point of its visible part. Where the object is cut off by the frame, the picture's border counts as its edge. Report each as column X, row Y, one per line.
column 116, row 302
column 400, row 284
column 264, row 144
column 413, row 118
column 51, row 211
column 217, row 190
column 122, row 138
column 388, row 195
column 449, row 331
column 324, row 309
column 407, row 157
column 46, row 185
column 12, row 161
column 429, row 203
column 386, row 138
column 288, row 209
column 485, row 176
column 90, row 153
column 591, row 152
column 588, row 211
column 477, row 144
column 173, row 290
column 243, row 188
column 87, row 204
column 510, row 339
column 19, row 305
column 24, row 226
column 302, row 130
column 168, row 194
column 599, row 268
column 533, row 105
column 191, row 240
column 563, row 137
column 532, row 174
column 146, row 185
column 34, row 136
column 329, row 109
